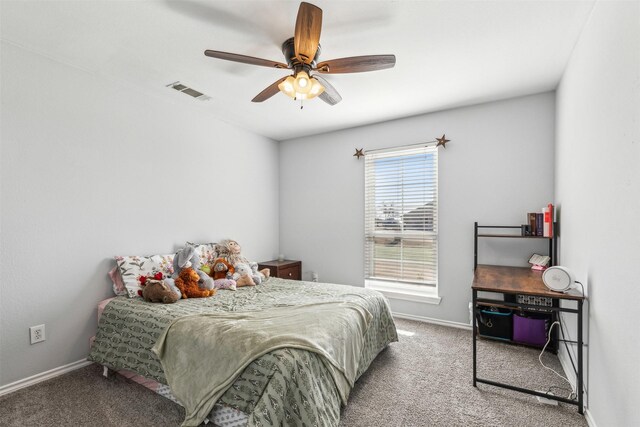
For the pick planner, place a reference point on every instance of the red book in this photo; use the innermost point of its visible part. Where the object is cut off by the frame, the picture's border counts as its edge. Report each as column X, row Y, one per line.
column 546, row 228
column 551, row 213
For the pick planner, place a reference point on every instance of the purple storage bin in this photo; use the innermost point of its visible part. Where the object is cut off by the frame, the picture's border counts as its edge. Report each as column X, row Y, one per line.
column 529, row 330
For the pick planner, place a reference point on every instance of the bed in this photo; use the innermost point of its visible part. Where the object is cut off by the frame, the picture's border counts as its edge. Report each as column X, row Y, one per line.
column 290, row 385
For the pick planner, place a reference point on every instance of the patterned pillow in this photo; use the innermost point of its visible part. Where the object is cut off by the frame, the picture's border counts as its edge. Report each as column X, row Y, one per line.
column 118, row 284
column 206, row 252
column 132, row 267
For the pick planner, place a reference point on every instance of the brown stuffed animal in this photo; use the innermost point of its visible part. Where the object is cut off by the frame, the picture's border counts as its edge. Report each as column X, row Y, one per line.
column 221, row 268
column 187, row 282
column 157, row 291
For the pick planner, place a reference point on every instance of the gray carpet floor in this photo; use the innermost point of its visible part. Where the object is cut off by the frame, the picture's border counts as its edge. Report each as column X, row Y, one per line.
column 423, row 380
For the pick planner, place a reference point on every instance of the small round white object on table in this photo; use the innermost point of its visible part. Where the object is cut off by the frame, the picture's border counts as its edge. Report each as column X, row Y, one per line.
column 559, row 279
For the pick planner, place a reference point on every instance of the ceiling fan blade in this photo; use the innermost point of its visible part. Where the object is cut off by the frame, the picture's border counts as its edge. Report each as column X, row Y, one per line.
column 271, row 90
column 357, row 64
column 307, row 34
column 330, row 94
column 244, row 59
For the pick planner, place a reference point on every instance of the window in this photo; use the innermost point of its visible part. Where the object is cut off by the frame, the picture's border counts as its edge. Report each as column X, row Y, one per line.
column 401, row 220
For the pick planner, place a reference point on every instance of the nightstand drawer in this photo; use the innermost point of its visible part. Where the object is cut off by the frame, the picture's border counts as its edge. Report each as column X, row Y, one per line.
column 292, row 273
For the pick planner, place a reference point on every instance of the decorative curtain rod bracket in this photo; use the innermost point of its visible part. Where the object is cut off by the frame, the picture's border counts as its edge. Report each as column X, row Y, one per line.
column 361, row 152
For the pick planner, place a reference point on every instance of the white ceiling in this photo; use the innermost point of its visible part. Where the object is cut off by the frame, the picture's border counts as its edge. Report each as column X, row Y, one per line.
column 449, row 53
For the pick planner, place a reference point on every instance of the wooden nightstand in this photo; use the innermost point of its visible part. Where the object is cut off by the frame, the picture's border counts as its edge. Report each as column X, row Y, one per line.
column 286, row 269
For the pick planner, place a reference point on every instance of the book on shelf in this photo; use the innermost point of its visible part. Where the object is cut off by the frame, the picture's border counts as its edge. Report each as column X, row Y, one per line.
column 548, row 220
column 532, row 223
column 539, row 224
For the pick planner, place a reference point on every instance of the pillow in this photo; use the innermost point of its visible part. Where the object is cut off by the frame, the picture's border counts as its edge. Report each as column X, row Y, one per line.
column 118, row 284
column 206, row 252
column 132, row 267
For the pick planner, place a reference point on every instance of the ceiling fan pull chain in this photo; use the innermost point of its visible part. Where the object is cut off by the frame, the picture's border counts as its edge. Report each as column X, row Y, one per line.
column 301, row 106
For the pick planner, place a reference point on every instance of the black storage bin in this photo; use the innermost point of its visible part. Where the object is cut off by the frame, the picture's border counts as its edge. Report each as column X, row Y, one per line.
column 495, row 322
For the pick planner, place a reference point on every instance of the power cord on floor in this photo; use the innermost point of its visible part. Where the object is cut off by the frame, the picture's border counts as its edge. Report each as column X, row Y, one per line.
column 573, row 391
column 556, row 387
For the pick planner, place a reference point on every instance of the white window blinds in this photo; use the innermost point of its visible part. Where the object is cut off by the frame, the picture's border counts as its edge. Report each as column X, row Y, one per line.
column 401, row 215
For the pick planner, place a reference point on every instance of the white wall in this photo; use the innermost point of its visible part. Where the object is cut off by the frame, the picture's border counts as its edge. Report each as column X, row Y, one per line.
column 598, row 195
column 91, row 169
column 497, row 167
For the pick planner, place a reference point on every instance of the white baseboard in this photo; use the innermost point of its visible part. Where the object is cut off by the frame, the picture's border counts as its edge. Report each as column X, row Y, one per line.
column 589, row 417
column 448, row 323
column 43, row 376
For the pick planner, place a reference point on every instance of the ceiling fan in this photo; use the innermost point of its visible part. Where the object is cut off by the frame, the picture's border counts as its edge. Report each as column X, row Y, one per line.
column 301, row 53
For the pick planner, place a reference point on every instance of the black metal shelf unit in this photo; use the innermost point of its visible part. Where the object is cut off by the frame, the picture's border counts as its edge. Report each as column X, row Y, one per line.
column 553, row 243
column 511, row 298
column 512, row 282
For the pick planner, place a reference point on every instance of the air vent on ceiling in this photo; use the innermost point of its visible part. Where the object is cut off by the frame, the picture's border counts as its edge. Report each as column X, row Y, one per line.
column 189, row 91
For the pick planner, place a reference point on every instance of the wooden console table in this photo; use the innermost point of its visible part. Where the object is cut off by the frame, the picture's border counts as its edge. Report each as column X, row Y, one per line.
column 524, row 281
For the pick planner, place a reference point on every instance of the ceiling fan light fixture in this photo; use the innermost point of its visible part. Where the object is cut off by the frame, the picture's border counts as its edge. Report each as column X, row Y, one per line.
column 287, row 87
column 301, row 87
column 301, row 83
column 316, row 88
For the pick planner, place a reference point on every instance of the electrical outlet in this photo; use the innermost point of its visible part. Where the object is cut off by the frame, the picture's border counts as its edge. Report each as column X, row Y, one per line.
column 37, row 334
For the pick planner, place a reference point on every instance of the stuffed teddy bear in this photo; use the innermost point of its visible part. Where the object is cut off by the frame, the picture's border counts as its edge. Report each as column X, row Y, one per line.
column 157, row 291
column 169, row 282
column 187, row 282
column 231, row 251
column 242, row 276
column 187, row 257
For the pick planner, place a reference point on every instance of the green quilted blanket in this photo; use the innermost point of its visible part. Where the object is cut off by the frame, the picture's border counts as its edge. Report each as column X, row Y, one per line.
column 288, row 386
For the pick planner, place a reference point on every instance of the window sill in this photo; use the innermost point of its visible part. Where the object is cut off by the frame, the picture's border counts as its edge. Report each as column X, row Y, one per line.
column 415, row 293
